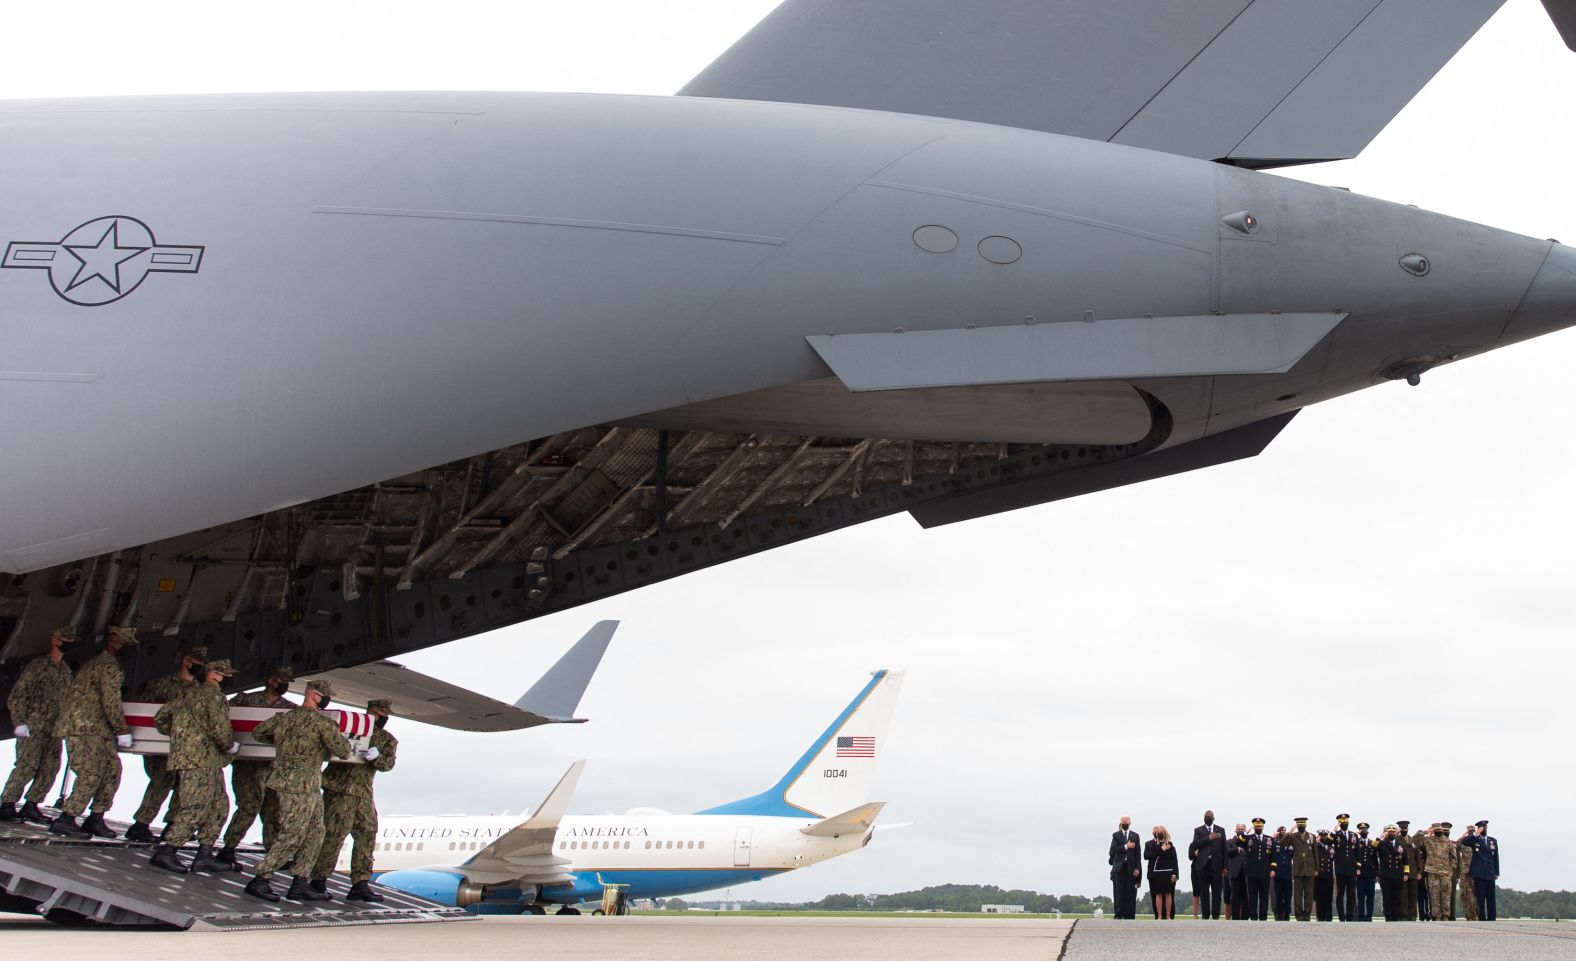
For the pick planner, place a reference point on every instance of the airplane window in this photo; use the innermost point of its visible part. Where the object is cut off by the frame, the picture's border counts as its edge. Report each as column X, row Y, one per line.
column 562, row 845
column 574, row 845
column 421, row 846
column 451, row 845
column 670, row 845
column 648, row 845
column 702, row 845
column 691, row 845
column 626, row 845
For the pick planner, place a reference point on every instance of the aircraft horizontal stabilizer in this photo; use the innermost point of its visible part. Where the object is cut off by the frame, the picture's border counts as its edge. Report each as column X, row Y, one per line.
column 1563, row 13
column 855, row 821
column 525, row 852
column 1115, row 349
column 419, row 697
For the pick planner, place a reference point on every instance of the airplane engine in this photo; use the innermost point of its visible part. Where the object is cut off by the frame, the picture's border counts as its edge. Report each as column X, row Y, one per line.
column 443, row 887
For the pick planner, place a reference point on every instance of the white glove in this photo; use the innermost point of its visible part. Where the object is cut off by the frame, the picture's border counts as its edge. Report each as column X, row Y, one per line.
column 235, row 748
column 23, row 731
column 372, row 754
column 123, row 740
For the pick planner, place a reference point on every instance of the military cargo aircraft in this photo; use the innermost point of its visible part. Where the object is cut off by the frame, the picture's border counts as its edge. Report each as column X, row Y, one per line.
column 324, row 378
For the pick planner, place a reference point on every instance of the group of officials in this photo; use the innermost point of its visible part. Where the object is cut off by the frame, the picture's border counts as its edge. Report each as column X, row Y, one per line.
column 1326, row 874
column 306, row 811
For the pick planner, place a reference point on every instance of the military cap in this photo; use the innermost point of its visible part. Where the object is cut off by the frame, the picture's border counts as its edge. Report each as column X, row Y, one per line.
column 1391, row 827
column 222, row 666
column 1258, row 820
column 67, row 631
column 1482, row 824
column 1300, row 820
column 1343, row 817
column 381, row 704
column 1362, row 825
column 1324, row 832
column 1446, row 825
column 282, row 673
column 127, row 634
column 1403, row 825
column 321, row 686
column 199, row 651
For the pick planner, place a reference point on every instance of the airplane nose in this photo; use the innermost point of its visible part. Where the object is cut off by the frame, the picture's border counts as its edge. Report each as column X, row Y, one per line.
column 1550, row 303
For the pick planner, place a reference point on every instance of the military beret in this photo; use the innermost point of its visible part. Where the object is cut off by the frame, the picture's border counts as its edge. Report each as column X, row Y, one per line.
column 1343, row 817
column 381, row 704
column 68, row 632
column 127, row 634
column 222, row 666
column 321, row 686
column 1258, row 820
column 282, row 673
column 199, row 651
column 1362, row 825
column 1281, row 829
column 1482, row 824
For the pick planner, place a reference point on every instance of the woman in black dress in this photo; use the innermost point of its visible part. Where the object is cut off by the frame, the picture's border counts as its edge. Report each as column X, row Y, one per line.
column 1162, row 857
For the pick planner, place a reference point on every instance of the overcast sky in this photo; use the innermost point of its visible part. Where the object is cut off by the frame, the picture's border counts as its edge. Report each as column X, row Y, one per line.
column 1376, row 615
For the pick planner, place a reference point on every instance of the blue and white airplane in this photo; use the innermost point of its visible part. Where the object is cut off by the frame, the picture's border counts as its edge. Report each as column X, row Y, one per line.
column 819, row 809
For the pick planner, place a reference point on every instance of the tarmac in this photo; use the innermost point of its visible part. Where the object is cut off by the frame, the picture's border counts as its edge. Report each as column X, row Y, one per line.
column 708, row 938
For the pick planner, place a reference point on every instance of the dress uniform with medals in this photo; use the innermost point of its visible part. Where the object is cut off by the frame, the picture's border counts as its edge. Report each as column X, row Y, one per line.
column 1366, row 861
column 1413, row 872
column 1258, row 858
column 1304, row 868
column 1324, row 882
column 1485, row 872
column 1392, row 859
column 1344, row 841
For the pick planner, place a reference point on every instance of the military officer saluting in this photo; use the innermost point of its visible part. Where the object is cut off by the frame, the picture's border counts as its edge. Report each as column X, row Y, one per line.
column 1413, row 871
column 1466, row 889
column 201, row 744
column 350, row 808
column 1439, row 870
column 1392, row 861
column 35, row 702
column 1485, row 872
column 93, row 723
column 1304, row 868
column 1365, row 860
column 1258, row 860
column 1344, row 842
column 303, row 739
column 160, row 781
column 249, row 778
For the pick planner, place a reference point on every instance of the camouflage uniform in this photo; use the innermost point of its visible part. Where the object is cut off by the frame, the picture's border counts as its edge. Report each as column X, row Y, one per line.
column 1468, row 894
column 90, row 721
column 248, row 780
column 1439, row 873
column 198, row 725
column 36, row 701
column 349, row 808
column 161, row 781
column 303, row 739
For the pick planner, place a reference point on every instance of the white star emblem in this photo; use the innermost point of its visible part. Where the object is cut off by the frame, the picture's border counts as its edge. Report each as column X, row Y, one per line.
column 102, row 260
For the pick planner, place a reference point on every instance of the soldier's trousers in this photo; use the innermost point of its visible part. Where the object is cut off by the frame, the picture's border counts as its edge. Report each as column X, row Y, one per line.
column 300, row 834
column 1302, row 897
column 1391, row 889
column 1282, row 899
column 37, row 763
column 353, row 815
column 1324, row 898
column 1439, row 895
column 1487, row 899
column 200, row 805
column 248, row 779
column 1424, row 912
column 1409, row 898
column 1346, row 897
column 161, row 781
column 1257, row 891
column 1365, row 898
column 1468, row 898
column 95, row 772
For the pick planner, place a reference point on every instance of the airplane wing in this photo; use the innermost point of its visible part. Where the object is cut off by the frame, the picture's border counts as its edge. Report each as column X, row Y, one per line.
column 1257, row 83
column 525, row 853
column 419, row 697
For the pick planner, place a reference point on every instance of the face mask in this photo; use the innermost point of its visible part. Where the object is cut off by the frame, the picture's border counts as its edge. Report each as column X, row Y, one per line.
column 1258, row 830
column 381, row 722
column 197, row 671
column 1209, row 820
column 1157, row 837
column 282, row 688
column 322, row 702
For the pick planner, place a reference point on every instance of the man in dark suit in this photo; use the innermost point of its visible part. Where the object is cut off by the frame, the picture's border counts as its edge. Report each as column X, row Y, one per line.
column 1126, row 870
column 1234, row 876
column 1344, row 841
column 1208, row 854
column 1258, row 858
column 1485, row 871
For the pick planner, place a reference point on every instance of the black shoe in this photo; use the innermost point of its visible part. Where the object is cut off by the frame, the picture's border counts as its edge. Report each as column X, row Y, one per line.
column 165, row 857
column 301, row 890
column 66, row 826
column 227, row 855
column 259, row 887
column 94, row 825
column 138, row 833
column 320, row 885
column 205, row 861
column 362, row 891
column 30, row 812
column 8, row 812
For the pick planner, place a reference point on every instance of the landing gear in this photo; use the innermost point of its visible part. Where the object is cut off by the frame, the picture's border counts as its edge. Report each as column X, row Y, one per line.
column 535, row 909
column 566, row 909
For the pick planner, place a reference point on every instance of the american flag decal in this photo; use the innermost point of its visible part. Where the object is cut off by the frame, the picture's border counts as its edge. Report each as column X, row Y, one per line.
column 856, row 747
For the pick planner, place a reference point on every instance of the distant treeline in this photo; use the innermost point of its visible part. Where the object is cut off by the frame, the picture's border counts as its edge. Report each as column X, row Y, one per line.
column 967, row 898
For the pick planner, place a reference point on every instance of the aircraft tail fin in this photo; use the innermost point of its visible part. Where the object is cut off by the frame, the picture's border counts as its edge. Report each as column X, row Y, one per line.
column 558, row 693
column 836, row 772
column 855, row 821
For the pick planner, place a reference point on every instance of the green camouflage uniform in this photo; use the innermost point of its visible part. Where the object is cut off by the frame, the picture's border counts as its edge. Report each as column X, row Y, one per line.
column 303, row 739
column 90, row 721
column 1468, row 896
column 198, row 725
column 349, row 808
column 1439, row 873
column 160, row 781
column 35, row 701
column 248, row 780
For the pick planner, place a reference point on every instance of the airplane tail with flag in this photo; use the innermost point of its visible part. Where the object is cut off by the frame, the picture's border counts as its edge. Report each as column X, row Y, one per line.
column 834, row 776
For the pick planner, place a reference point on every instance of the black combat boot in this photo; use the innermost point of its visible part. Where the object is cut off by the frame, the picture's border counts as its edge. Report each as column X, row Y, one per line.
column 362, row 891
column 320, row 885
column 227, row 855
column 205, row 861
column 301, row 890
column 8, row 812
column 94, row 825
column 164, row 856
column 259, row 887
column 30, row 812
column 138, row 833
column 66, row 825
